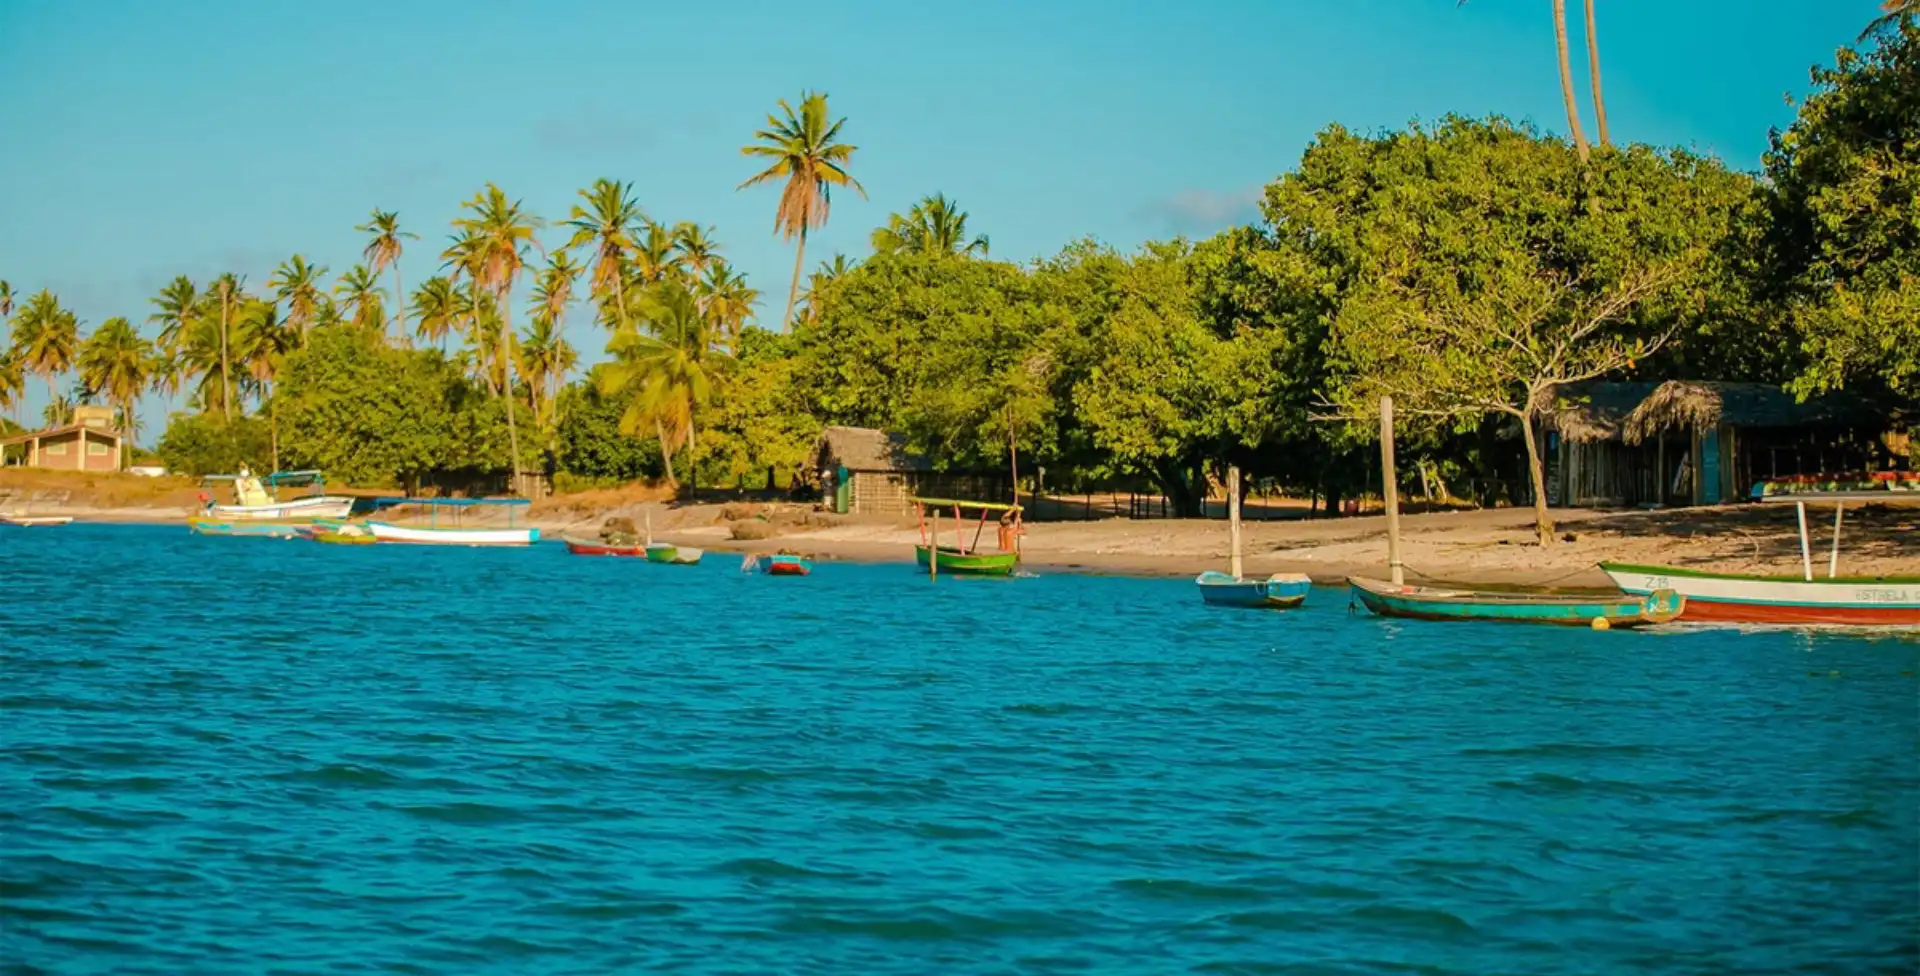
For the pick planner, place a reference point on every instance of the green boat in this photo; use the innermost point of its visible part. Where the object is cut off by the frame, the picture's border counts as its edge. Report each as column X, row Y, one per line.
column 1602, row 612
column 963, row 557
column 672, row 555
column 954, row 561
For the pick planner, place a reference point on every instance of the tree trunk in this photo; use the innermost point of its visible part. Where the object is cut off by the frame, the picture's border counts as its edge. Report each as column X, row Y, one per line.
column 126, row 434
column 1566, row 79
column 273, row 428
column 1537, row 472
column 506, row 382
column 666, row 454
column 399, row 308
column 793, row 290
column 226, row 380
column 1593, row 69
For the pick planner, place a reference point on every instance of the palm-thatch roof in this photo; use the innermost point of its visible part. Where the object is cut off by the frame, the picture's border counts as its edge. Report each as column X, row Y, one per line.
column 1635, row 412
column 864, row 449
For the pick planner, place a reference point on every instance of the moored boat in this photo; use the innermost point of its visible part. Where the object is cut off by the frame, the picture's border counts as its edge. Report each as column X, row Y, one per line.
column 433, row 536
column 258, row 499
column 672, row 555
column 1277, row 592
column 247, row 528
column 1725, row 597
column 778, row 564
column 35, row 521
column 964, row 557
column 959, row 563
column 596, row 547
column 1435, row 603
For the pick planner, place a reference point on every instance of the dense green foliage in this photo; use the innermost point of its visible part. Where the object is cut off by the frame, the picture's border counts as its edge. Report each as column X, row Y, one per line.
column 201, row 444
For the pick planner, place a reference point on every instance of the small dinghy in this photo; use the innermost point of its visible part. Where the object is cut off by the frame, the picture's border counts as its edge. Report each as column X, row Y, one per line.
column 35, row 521
column 1277, row 592
column 778, row 564
column 1601, row 611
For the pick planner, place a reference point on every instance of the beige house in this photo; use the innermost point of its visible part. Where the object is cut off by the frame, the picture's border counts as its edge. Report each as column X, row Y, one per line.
column 89, row 443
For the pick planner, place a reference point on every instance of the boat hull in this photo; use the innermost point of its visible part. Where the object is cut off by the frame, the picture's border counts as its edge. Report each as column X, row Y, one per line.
column 1429, row 603
column 414, row 535
column 583, row 548
column 970, row 563
column 247, row 529
column 318, row 506
column 1278, row 592
column 35, row 521
column 778, row 564
column 671, row 555
column 1746, row 599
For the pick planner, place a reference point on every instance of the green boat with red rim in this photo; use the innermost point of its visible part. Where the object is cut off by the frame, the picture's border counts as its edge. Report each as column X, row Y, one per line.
column 964, row 557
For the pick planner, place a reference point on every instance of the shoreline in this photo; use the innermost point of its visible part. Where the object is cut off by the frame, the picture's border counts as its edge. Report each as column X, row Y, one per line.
column 1492, row 547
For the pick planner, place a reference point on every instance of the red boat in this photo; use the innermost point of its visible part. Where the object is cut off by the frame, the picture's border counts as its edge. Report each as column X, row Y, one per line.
column 581, row 547
column 778, row 564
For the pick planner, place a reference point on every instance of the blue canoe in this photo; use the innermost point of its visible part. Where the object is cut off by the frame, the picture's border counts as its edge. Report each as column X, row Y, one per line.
column 1433, row 603
column 261, row 529
column 1276, row 592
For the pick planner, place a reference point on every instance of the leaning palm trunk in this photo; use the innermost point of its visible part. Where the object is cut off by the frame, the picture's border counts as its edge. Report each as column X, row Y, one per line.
column 1593, row 69
column 793, row 290
column 666, row 452
column 1566, row 79
column 506, row 385
column 399, row 310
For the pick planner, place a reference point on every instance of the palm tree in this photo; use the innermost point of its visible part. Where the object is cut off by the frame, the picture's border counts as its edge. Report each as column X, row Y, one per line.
column 263, row 341
column 6, row 300
column 802, row 151
column 694, row 247
column 606, row 224
column 117, row 363
column 553, row 292
column 13, row 383
column 1891, row 12
column 227, row 290
column 58, row 412
column 298, row 284
column 827, row 272
column 545, row 359
column 501, row 231
column 437, row 305
column 361, row 300
column 45, row 337
column 1566, row 80
column 934, row 226
column 1593, row 72
column 727, row 300
column 655, row 258
column 382, row 252
column 668, row 367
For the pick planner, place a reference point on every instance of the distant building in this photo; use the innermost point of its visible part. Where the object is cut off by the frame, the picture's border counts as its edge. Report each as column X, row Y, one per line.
column 1687, row 442
column 864, row 471
column 88, row 443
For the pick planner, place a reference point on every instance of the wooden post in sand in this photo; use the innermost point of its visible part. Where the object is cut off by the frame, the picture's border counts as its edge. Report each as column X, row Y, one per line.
column 1233, row 516
column 1390, row 490
column 933, row 545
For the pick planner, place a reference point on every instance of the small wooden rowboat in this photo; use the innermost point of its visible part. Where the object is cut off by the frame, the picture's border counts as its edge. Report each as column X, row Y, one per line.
column 1277, row 592
column 952, row 560
column 778, row 564
column 592, row 547
column 35, row 521
column 672, row 555
column 1433, row 603
column 334, row 538
column 201, row 525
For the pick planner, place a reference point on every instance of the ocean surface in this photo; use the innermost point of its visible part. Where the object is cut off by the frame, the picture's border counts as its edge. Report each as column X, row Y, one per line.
column 256, row 756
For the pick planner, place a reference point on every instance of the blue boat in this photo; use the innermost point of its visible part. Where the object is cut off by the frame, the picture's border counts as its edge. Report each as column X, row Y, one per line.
column 1276, row 592
column 260, row 529
column 778, row 564
column 1604, row 611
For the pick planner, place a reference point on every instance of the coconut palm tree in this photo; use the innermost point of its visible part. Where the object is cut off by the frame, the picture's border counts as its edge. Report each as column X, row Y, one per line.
column 606, row 225
column 668, row 365
column 298, row 284
column 727, row 300
column 116, row 363
column 58, row 412
column 1566, row 80
column 553, row 291
column 501, row 231
column 45, row 337
column 1593, row 73
column 803, row 151
column 382, row 252
column 655, row 258
column 1891, row 13
column 827, row 272
column 437, row 306
column 694, row 247
column 263, row 341
column 225, row 293
column 6, row 300
column 361, row 300
column 935, row 225
column 545, row 360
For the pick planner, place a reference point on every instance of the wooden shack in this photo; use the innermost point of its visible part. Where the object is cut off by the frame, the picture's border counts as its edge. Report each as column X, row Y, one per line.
column 1690, row 442
column 866, row 472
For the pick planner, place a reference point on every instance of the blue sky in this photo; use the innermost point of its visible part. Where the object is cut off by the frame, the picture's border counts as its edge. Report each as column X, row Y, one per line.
column 140, row 139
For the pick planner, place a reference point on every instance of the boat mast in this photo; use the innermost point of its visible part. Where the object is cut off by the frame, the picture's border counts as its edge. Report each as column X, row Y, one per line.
column 1833, row 560
column 1390, row 492
column 1806, row 547
column 1233, row 516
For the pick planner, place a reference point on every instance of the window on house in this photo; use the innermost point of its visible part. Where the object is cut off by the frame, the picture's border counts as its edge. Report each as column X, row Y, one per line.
column 97, row 450
column 58, row 450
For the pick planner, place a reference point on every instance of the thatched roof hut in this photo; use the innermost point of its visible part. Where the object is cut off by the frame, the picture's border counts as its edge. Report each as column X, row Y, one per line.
column 864, row 449
column 1588, row 413
column 1694, row 405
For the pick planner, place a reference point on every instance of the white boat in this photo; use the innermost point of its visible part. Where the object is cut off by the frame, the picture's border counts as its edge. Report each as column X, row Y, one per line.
column 258, row 498
column 1800, row 599
column 31, row 521
column 426, row 536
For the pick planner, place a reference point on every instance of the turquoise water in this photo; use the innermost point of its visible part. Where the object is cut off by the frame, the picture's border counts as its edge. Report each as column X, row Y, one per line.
column 239, row 756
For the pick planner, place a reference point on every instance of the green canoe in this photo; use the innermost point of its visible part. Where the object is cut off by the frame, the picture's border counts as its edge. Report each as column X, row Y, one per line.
column 970, row 563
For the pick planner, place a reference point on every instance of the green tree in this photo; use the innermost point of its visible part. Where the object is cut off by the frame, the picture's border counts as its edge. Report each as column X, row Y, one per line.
column 589, row 438
column 360, row 298
column 1844, row 184
column 727, row 300
column 821, row 277
column 935, row 225
column 46, row 337
column 501, row 231
column 437, row 306
column 694, row 247
column 802, row 149
column 383, row 251
column 365, row 412
column 262, row 342
column 201, row 444
column 545, row 359
column 225, row 293
column 13, row 383
column 116, row 363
